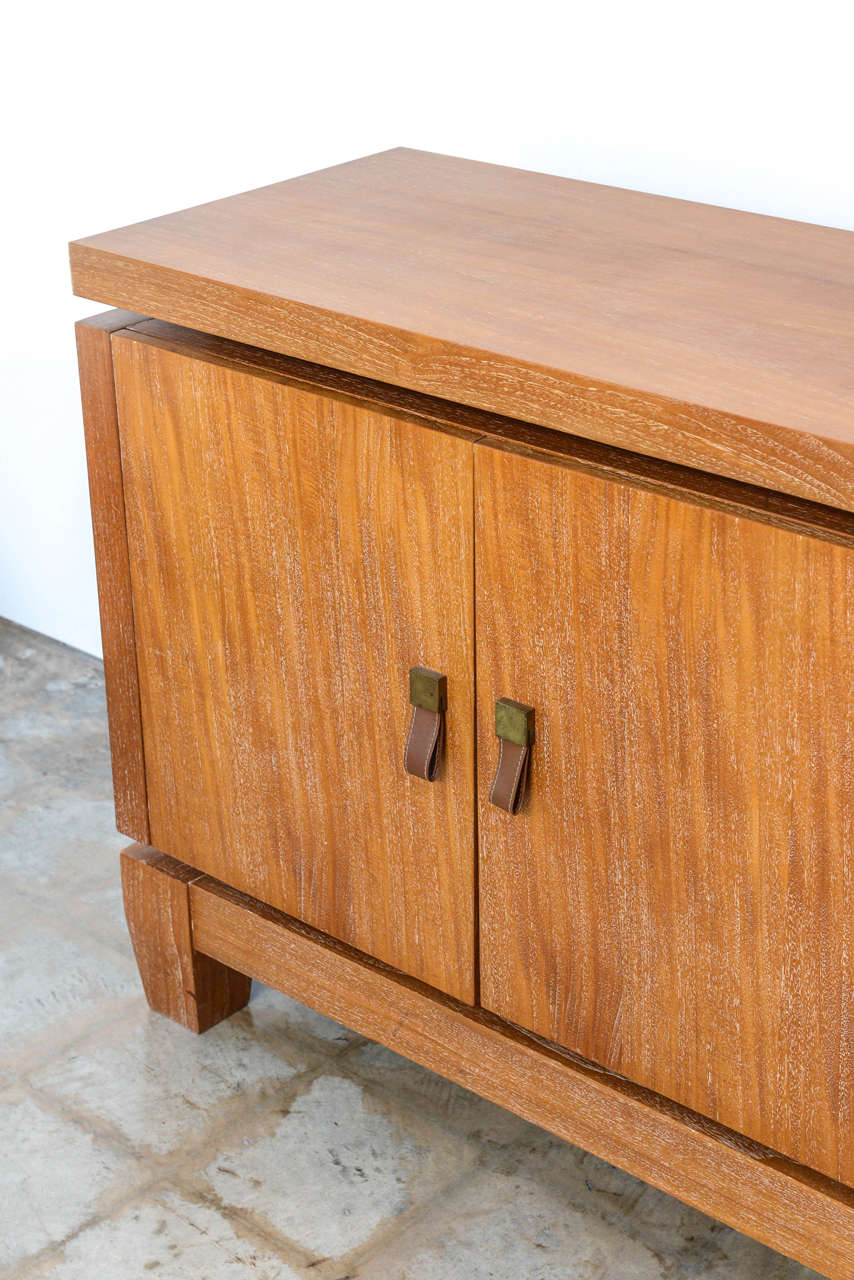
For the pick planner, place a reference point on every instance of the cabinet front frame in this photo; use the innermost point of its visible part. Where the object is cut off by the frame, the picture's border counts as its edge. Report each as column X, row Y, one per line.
column 94, row 338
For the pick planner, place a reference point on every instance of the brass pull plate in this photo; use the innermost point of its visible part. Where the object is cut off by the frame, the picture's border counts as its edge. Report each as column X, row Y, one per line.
column 428, row 689
column 514, row 722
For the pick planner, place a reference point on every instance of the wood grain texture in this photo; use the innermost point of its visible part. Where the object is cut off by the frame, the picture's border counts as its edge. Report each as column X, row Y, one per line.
column 713, row 338
column 293, row 556
column 674, row 900
column 113, row 570
column 720, row 492
column 179, row 981
column 754, row 1190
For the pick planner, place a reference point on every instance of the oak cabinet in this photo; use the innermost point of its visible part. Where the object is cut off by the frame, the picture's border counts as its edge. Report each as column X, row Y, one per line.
column 478, row 608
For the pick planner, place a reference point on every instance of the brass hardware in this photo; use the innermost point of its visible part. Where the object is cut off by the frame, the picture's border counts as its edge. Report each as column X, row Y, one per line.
column 514, row 722
column 428, row 689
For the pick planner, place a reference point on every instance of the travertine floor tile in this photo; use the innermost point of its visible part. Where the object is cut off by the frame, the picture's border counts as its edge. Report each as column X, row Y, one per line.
column 53, row 842
column 53, row 989
column 160, row 1086
column 53, row 709
column 336, row 1167
column 16, row 916
column 168, row 1237
column 300, row 1024
column 695, row 1244
column 543, row 1209
column 53, row 1177
column 464, row 1112
column 99, row 912
column 500, row 1227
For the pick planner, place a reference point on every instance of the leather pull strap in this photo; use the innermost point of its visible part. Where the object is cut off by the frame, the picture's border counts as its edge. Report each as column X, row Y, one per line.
column 428, row 695
column 424, row 743
column 514, row 728
column 511, row 776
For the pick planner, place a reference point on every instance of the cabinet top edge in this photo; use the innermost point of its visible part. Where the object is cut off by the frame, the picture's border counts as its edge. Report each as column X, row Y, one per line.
column 707, row 336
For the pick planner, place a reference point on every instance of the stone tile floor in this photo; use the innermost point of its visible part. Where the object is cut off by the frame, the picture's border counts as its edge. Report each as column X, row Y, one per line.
column 277, row 1146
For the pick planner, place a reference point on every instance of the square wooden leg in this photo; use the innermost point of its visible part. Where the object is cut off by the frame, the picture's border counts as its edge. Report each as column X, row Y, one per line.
column 178, row 981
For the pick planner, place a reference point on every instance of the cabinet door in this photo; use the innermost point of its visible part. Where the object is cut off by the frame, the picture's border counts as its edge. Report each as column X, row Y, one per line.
column 293, row 555
column 674, row 900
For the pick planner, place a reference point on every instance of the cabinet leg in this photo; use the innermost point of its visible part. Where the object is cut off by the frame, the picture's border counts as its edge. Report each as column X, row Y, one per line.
column 178, row 981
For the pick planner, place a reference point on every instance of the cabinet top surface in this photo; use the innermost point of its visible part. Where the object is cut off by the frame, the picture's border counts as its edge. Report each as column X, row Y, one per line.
column 444, row 274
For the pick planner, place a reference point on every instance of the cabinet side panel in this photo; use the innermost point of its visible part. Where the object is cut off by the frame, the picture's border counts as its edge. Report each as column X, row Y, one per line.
column 103, row 459
column 674, row 902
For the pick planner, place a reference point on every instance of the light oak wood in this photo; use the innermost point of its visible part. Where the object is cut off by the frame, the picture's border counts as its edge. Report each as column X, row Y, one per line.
column 674, row 900
column 179, row 981
column 743, row 1184
column 713, row 338
column 113, row 569
column 293, row 555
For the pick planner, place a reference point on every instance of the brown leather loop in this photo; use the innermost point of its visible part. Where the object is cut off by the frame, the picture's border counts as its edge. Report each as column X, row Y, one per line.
column 511, row 776
column 424, row 743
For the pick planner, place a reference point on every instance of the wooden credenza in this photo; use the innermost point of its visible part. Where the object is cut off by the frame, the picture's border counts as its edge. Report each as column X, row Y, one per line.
column 476, row 562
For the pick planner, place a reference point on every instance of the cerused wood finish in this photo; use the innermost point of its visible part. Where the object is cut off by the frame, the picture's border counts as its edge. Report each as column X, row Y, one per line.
column 111, row 560
column 293, row 556
column 755, row 1190
column 179, row 981
column 613, row 436
column 706, row 336
column 674, row 901
column 720, row 492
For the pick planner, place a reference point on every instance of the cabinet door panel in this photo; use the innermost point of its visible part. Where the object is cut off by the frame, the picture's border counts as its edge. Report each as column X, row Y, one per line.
column 674, row 900
column 293, row 556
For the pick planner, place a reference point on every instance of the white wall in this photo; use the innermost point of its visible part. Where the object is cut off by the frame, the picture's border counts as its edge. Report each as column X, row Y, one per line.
column 114, row 112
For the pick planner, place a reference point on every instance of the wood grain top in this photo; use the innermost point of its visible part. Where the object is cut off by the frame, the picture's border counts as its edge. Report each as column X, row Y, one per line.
column 720, row 339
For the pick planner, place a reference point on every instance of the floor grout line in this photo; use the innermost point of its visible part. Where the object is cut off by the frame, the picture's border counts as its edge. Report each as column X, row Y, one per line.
column 167, row 1163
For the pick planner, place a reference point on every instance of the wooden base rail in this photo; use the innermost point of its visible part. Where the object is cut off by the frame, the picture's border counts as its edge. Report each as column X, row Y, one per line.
column 209, row 939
